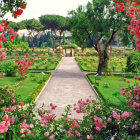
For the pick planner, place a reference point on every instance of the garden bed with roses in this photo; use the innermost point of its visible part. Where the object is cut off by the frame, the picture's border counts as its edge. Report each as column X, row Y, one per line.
column 45, row 63
column 108, row 87
column 27, row 88
column 100, row 121
column 115, row 64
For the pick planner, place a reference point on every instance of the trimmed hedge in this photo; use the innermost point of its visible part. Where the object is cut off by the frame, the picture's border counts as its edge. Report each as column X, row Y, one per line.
column 133, row 62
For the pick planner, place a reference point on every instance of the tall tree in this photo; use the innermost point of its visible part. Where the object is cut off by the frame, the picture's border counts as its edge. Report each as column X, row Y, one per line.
column 34, row 28
column 55, row 23
column 98, row 18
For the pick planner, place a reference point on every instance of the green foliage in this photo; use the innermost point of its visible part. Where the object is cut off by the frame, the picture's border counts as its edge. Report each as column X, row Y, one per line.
column 8, row 67
column 115, row 64
column 133, row 62
column 97, row 18
column 109, row 88
column 9, row 6
column 54, row 22
column 17, row 44
column 91, row 53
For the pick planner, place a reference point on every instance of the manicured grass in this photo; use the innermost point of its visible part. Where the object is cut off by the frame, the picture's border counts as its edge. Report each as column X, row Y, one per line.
column 45, row 63
column 109, row 88
column 28, row 88
column 115, row 64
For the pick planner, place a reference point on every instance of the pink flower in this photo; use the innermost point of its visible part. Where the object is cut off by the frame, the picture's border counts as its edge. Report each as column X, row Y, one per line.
column 3, row 127
column 16, row 54
column 22, row 73
column 1, row 75
column 0, row 46
column 22, row 130
column 97, row 128
column 75, row 124
column 3, row 55
column 95, row 118
column 11, row 31
column 132, row 32
column 21, row 103
column 5, row 117
column 10, row 109
column 13, row 101
column 1, row 28
column 31, row 126
column 27, row 55
column 13, row 37
column 124, row 79
column 24, row 125
column 2, row 101
column 77, row 133
column 109, row 119
column 46, row 134
column 12, row 120
column 32, row 59
column 66, row 119
column 100, row 120
column 126, row 115
column 23, row 135
column 23, row 115
column 116, row 116
column 52, row 137
column 89, row 137
column 23, row 6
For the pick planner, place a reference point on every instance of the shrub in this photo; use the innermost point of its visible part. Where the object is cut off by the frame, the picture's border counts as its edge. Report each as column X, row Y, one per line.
column 91, row 53
column 133, row 62
column 8, row 67
column 100, row 122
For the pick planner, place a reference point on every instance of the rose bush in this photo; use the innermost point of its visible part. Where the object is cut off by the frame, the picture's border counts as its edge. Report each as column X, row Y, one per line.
column 131, row 7
column 19, row 121
column 23, row 63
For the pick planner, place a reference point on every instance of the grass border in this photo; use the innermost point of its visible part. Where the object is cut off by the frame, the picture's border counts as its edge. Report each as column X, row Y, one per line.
column 112, row 73
column 37, row 90
column 101, row 96
column 45, row 69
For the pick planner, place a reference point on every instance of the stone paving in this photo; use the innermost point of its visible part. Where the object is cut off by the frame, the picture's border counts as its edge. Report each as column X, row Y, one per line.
column 67, row 85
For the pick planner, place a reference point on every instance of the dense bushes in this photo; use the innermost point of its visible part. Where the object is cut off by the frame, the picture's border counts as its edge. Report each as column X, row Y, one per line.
column 133, row 62
column 100, row 122
column 8, row 67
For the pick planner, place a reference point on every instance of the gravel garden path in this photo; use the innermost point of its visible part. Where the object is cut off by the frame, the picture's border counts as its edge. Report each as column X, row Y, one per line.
column 67, row 85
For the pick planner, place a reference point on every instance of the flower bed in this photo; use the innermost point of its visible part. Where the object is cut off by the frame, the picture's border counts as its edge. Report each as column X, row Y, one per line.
column 115, row 64
column 27, row 88
column 108, row 88
column 45, row 63
column 100, row 121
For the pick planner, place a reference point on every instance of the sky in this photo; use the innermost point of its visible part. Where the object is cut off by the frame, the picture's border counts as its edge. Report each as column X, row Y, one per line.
column 36, row 8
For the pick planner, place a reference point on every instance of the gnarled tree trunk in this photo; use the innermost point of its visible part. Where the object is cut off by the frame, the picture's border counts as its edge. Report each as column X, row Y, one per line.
column 103, row 57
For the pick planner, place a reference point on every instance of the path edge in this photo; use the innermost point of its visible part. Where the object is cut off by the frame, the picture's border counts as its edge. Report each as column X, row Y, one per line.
column 46, row 83
column 94, row 90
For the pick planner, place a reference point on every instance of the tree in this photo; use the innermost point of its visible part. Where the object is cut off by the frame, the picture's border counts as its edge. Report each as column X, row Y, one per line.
column 63, row 26
column 34, row 28
column 99, row 19
column 55, row 23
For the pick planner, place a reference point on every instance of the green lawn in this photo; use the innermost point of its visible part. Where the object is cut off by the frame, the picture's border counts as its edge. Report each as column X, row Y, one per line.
column 45, row 63
column 115, row 64
column 109, row 88
column 28, row 88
